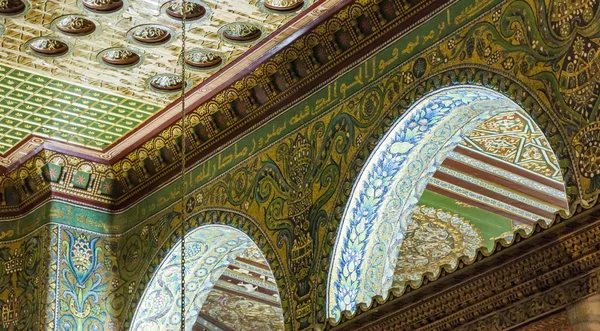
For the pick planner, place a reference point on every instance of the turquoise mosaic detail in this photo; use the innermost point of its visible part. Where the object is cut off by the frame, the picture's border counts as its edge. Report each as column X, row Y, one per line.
column 390, row 186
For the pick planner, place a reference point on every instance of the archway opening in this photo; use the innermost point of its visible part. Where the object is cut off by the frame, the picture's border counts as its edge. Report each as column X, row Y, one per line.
column 462, row 167
column 228, row 284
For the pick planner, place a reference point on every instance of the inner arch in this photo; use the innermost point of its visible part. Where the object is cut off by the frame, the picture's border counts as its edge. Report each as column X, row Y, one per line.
column 228, row 284
column 379, row 211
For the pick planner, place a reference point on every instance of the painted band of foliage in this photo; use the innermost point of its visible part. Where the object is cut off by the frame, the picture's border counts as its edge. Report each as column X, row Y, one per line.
column 390, row 185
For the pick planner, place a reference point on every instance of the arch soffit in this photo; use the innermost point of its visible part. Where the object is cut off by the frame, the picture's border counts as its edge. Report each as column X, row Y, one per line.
column 365, row 251
column 234, row 222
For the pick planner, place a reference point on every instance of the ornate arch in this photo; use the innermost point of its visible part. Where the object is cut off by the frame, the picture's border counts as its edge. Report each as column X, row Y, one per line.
column 235, row 232
column 406, row 166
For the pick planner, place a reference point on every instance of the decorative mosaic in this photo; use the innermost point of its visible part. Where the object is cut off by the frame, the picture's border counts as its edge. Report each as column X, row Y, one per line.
column 392, row 182
column 297, row 179
column 514, row 138
column 434, row 238
column 209, row 251
column 237, row 312
column 104, row 24
column 244, row 298
column 39, row 105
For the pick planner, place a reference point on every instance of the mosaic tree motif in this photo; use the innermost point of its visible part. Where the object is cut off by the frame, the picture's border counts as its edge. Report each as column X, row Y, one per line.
column 83, row 283
column 209, row 251
column 287, row 186
column 376, row 218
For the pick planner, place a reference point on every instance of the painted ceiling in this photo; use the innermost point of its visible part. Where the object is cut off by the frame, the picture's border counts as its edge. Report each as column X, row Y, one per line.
column 505, row 166
column 245, row 298
column 115, row 71
column 502, row 177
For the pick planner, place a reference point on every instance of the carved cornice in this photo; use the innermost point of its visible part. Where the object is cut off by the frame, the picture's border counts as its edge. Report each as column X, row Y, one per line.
column 523, row 280
column 300, row 65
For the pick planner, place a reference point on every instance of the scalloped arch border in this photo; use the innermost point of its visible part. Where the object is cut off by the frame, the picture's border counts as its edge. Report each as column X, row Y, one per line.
column 482, row 76
column 210, row 217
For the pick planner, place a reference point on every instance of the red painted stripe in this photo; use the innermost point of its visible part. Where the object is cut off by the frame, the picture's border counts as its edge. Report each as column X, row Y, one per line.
column 515, row 186
column 478, row 204
column 254, row 263
column 506, row 166
column 491, row 194
column 235, row 281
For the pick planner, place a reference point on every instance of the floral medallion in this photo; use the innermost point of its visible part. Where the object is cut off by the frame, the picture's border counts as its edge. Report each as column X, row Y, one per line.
column 193, row 11
column 74, row 25
column 240, row 32
column 587, row 151
column 203, row 59
column 434, row 238
column 48, row 47
column 150, row 34
column 120, row 57
column 166, row 82
column 283, row 5
column 11, row 7
column 103, row 6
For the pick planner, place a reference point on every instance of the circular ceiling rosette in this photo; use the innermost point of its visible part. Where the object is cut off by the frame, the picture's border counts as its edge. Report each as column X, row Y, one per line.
column 283, row 6
column 240, row 32
column 103, row 6
column 151, row 35
column 48, row 47
column 194, row 10
column 75, row 25
column 166, row 83
column 120, row 58
column 10, row 8
column 204, row 60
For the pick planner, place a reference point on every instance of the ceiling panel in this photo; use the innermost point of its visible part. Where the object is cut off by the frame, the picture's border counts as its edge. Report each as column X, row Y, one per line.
column 79, row 98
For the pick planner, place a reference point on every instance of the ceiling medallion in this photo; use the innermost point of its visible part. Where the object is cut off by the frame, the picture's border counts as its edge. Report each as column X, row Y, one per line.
column 193, row 10
column 203, row 59
column 434, row 238
column 12, row 7
column 166, row 83
column 283, row 5
column 74, row 25
column 151, row 34
column 103, row 6
column 120, row 57
column 240, row 32
column 50, row 47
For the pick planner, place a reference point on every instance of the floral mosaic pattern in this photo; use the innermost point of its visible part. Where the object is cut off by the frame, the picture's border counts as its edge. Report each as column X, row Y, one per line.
column 209, row 250
column 434, row 238
column 390, row 184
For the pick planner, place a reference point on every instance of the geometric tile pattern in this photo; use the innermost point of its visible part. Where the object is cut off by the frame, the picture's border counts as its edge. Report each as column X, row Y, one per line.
column 35, row 104
column 514, row 138
column 82, row 65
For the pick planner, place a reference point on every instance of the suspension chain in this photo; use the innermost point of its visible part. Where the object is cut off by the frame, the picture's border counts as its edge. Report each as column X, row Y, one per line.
column 183, row 148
